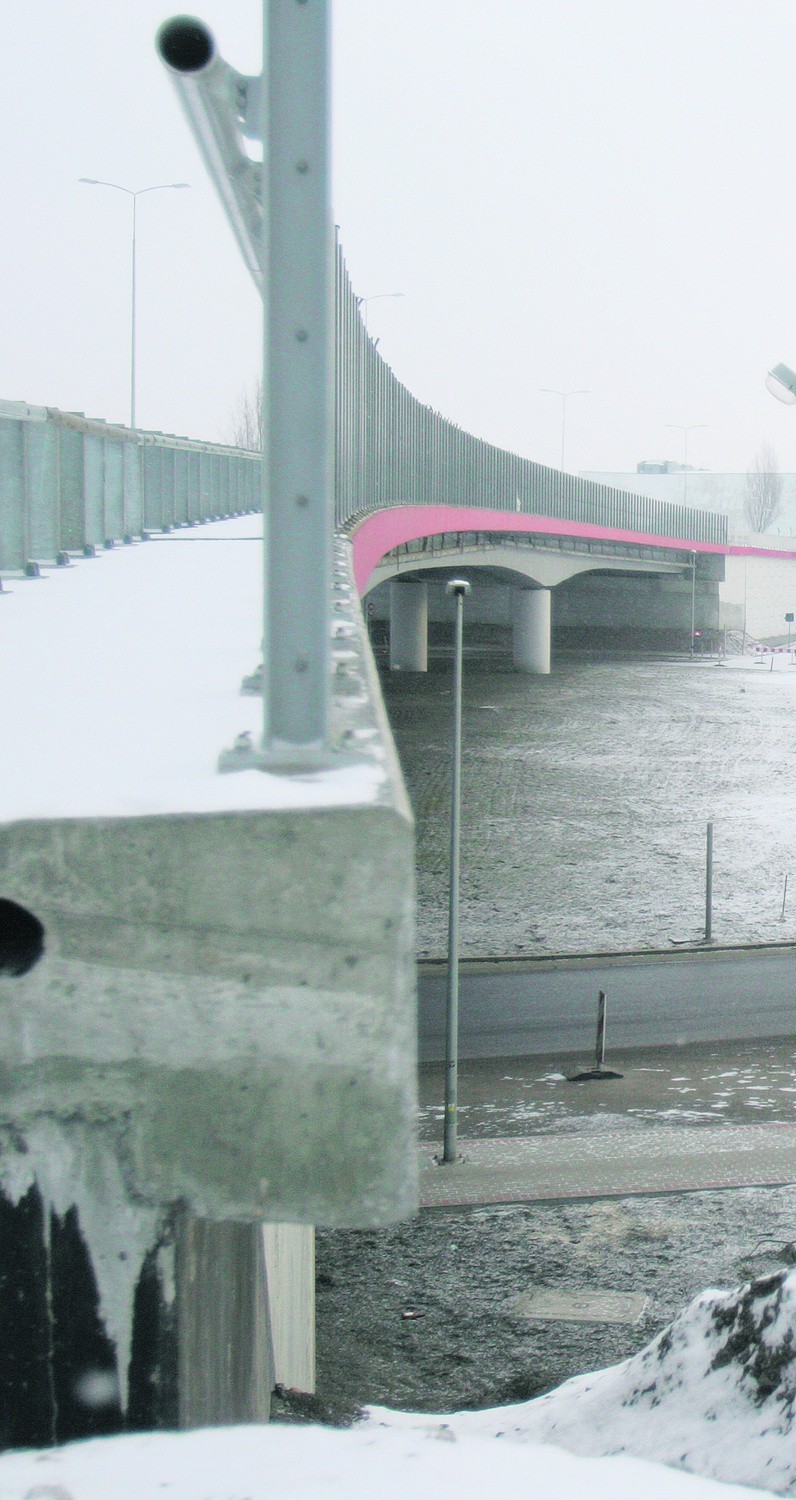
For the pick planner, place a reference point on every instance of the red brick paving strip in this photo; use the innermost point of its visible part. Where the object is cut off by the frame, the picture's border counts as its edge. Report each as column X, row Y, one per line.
column 610, row 1163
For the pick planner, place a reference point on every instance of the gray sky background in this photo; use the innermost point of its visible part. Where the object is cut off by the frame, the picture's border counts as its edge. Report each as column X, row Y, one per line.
column 593, row 193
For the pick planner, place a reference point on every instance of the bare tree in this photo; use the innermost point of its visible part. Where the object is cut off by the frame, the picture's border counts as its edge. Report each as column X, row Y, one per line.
column 763, row 501
column 246, row 419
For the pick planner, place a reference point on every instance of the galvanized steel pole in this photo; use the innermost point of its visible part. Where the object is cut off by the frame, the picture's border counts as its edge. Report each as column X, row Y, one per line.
column 298, row 379
column 709, row 885
column 157, row 187
column 458, row 587
column 134, row 196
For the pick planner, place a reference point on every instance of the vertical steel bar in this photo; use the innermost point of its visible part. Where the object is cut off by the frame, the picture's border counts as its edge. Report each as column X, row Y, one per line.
column 709, row 885
column 458, row 589
column 600, row 1050
column 298, row 371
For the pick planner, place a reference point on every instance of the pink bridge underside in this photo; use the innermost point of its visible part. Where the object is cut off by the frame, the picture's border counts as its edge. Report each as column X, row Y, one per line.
column 379, row 533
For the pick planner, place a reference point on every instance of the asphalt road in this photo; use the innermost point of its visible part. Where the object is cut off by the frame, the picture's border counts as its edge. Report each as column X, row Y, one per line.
column 516, row 1009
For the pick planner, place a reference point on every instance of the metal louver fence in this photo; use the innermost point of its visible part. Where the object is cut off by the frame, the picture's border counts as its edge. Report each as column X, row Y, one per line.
column 69, row 484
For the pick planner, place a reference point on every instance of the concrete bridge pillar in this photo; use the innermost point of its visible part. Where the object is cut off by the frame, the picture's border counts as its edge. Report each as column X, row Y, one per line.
column 531, row 640
column 408, row 625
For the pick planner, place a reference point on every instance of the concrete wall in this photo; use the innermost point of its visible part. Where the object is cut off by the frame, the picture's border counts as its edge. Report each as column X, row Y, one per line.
column 759, row 592
column 223, row 1016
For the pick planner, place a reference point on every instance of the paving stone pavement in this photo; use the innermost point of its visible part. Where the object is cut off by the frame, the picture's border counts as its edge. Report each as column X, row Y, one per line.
column 610, row 1163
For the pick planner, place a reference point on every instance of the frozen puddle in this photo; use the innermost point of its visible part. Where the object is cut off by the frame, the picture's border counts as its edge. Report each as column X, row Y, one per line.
column 581, row 1305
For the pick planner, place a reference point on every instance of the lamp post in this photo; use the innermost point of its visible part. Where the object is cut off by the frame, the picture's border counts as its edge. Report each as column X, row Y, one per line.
column 377, row 297
column 693, row 599
column 157, row 187
column 459, row 588
column 692, row 427
column 545, row 390
column 678, row 426
column 781, row 382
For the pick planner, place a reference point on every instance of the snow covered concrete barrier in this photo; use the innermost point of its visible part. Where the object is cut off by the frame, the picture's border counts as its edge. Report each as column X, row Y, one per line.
column 222, row 1016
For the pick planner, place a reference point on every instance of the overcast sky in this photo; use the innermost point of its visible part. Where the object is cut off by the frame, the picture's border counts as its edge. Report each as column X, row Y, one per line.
column 591, row 194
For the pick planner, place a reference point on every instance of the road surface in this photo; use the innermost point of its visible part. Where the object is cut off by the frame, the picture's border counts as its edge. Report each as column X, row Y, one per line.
column 515, row 1009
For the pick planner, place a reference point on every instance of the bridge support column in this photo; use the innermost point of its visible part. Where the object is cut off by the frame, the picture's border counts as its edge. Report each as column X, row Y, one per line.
column 408, row 626
column 531, row 640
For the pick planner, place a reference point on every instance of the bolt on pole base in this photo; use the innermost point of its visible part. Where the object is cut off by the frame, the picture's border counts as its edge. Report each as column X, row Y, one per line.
column 285, row 759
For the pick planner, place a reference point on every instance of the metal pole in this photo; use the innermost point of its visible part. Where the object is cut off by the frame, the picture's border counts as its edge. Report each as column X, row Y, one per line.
column 600, row 1053
column 563, row 424
column 693, row 599
column 132, row 324
column 157, row 187
column 298, row 381
column 458, row 588
column 709, row 886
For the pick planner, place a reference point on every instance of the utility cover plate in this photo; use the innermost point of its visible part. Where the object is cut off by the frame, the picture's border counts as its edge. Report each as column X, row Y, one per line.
column 581, row 1305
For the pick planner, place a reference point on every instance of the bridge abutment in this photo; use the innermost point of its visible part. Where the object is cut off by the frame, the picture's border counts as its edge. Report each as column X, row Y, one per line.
column 531, row 619
column 408, row 625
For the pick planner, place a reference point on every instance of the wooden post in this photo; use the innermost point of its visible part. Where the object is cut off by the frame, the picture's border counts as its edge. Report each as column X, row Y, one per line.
column 224, row 1354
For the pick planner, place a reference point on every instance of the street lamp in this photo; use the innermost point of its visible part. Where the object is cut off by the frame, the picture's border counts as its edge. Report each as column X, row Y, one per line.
column 545, row 390
column 781, row 382
column 157, row 187
column 377, row 297
column 678, row 426
column 459, row 588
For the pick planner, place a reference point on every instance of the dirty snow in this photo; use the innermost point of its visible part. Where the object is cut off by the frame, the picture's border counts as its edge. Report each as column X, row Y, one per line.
column 585, row 802
column 714, row 1393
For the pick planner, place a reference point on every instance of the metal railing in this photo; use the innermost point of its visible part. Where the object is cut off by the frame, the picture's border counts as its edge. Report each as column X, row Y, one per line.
column 393, row 450
column 73, row 485
column 344, row 437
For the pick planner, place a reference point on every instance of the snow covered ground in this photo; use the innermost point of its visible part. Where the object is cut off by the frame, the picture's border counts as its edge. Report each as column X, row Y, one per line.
column 713, row 1395
column 314, row 1463
column 585, row 799
column 121, row 679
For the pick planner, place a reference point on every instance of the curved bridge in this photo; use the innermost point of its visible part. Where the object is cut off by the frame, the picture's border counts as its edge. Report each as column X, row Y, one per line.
column 418, row 494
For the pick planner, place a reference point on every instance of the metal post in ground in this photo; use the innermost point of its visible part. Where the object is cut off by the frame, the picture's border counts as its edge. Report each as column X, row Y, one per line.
column 599, row 1057
column 459, row 588
column 709, row 885
column 597, row 1073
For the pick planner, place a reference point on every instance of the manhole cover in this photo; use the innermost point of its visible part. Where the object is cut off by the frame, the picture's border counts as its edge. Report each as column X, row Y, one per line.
column 581, row 1305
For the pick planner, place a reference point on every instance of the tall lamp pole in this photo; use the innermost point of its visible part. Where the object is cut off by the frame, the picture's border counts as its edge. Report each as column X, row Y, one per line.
column 157, row 187
column 545, row 390
column 692, row 427
column 678, row 427
column 377, row 297
column 459, row 588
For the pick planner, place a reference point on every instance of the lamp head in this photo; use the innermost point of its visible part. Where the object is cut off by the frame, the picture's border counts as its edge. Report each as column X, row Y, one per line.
column 781, row 382
column 458, row 587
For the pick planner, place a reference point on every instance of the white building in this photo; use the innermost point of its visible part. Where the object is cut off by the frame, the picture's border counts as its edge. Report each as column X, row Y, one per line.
column 759, row 588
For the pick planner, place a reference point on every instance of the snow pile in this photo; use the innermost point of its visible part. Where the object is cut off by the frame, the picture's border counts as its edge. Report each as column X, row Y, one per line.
column 315, row 1463
column 714, row 1393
